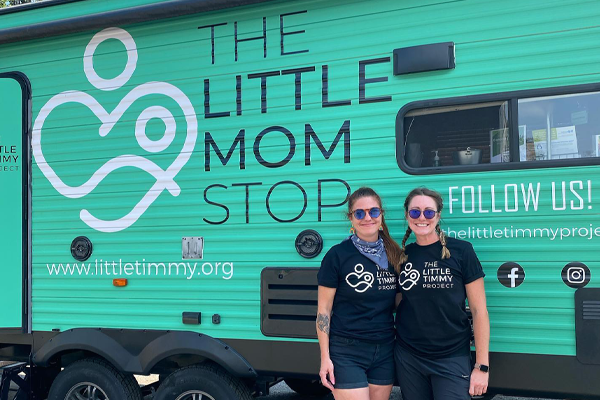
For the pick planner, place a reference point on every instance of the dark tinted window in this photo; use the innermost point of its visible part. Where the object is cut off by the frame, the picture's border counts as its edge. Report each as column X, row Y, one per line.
column 457, row 135
column 548, row 130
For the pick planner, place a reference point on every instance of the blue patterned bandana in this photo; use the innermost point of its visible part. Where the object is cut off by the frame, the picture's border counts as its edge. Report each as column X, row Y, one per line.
column 374, row 251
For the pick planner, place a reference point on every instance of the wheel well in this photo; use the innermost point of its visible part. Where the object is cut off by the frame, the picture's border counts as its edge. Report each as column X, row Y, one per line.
column 68, row 357
column 176, row 361
column 141, row 352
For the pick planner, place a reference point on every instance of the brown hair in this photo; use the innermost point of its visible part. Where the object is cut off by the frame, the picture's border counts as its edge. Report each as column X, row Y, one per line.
column 391, row 246
column 423, row 191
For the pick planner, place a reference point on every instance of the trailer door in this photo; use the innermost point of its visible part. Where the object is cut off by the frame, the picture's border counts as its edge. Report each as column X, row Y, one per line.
column 14, row 99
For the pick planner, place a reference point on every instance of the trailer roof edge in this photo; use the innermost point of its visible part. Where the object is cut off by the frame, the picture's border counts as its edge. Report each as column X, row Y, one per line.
column 150, row 12
column 32, row 6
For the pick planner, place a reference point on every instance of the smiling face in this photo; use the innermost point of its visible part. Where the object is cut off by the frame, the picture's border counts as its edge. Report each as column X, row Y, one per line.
column 367, row 228
column 423, row 228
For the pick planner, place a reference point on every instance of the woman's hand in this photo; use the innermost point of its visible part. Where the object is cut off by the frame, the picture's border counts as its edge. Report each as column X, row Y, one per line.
column 326, row 374
column 479, row 382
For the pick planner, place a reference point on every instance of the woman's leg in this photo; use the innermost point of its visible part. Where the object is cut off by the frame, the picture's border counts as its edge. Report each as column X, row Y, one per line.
column 351, row 394
column 379, row 392
column 451, row 378
column 381, row 372
column 350, row 362
column 413, row 380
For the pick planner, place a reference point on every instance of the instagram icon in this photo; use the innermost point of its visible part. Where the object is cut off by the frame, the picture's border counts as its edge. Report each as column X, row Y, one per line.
column 576, row 275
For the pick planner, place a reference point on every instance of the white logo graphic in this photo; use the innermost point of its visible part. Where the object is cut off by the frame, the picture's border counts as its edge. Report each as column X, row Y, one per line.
column 164, row 178
column 409, row 277
column 576, row 275
column 365, row 279
column 513, row 276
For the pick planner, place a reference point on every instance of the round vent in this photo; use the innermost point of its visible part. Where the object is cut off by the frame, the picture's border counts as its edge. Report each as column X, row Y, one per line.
column 309, row 243
column 81, row 248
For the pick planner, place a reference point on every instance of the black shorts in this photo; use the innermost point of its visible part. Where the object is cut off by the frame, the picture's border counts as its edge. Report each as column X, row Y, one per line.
column 432, row 379
column 356, row 364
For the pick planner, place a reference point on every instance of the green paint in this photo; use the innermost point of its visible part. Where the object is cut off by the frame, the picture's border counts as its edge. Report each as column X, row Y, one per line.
column 11, row 170
column 500, row 47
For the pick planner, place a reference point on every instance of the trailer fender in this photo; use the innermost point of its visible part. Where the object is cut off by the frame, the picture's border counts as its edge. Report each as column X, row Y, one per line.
column 177, row 342
column 137, row 352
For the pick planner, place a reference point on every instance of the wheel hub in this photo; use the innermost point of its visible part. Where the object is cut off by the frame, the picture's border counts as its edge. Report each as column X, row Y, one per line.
column 86, row 391
column 195, row 395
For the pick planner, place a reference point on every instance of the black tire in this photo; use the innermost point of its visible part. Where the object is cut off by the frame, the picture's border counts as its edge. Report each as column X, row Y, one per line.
column 94, row 374
column 207, row 379
column 307, row 387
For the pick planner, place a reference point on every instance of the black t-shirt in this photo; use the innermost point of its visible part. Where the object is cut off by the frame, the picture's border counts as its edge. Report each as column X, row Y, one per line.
column 363, row 305
column 431, row 320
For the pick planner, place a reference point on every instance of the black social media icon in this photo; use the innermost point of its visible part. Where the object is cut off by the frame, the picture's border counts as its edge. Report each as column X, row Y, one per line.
column 511, row 274
column 576, row 275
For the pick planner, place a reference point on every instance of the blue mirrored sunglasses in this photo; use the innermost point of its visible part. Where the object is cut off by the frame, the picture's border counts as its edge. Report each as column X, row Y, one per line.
column 373, row 212
column 414, row 214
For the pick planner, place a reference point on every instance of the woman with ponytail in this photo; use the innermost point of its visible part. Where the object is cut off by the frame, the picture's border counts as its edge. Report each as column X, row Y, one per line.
column 436, row 274
column 356, row 301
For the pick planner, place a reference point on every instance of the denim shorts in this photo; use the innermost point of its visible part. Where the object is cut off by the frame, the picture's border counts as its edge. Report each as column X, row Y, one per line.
column 356, row 364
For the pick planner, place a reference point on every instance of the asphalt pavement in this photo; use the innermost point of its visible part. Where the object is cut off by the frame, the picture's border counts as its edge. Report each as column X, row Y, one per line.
column 282, row 392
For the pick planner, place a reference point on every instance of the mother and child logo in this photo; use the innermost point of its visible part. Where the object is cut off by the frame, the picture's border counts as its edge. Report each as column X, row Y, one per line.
column 360, row 279
column 408, row 277
column 165, row 178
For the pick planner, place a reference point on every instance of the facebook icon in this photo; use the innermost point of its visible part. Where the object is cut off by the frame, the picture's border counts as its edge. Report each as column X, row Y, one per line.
column 511, row 274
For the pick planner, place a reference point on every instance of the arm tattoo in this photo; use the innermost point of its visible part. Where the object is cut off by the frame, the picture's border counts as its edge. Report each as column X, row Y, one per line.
column 323, row 323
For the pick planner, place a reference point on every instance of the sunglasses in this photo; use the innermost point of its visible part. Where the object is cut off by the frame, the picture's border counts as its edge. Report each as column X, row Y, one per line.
column 373, row 212
column 414, row 214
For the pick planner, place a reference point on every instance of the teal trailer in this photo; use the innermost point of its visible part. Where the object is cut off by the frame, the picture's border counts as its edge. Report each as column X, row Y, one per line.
column 172, row 172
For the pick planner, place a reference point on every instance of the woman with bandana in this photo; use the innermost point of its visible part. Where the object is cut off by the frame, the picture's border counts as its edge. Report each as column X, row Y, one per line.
column 357, row 298
column 436, row 274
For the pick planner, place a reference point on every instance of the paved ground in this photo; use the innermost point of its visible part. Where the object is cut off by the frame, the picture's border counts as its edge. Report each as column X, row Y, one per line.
column 282, row 392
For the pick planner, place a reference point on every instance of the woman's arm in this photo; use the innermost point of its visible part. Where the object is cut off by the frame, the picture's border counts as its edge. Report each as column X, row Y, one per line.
column 324, row 306
column 481, row 330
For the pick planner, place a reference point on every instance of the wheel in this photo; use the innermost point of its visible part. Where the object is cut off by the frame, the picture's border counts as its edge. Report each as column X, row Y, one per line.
column 205, row 381
column 307, row 387
column 94, row 379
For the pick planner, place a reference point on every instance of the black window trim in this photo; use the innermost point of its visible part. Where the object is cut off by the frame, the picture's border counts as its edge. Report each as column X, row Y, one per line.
column 513, row 121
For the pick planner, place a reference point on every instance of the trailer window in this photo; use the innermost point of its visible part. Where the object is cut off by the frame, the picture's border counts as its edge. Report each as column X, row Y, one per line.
column 457, row 135
column 514, row 130
column 559, row 127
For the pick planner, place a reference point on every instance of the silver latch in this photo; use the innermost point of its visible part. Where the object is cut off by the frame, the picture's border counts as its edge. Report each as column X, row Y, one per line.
column 192, row 247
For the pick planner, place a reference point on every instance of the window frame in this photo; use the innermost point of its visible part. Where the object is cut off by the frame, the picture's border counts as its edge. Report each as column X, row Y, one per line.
column 512, row 98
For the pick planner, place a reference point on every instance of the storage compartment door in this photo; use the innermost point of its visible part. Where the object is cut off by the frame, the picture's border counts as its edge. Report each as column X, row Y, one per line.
column 13, row 204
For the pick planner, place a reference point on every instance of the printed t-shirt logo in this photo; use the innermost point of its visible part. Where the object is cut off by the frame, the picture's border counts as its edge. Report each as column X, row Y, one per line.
column 408, row 277
column 360, row 280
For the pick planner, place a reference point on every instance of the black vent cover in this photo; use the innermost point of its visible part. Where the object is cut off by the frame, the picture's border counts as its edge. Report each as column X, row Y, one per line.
column 587, row 325
column 309, row 243
column 81, row 248
column 288, row 302
column 428, row 57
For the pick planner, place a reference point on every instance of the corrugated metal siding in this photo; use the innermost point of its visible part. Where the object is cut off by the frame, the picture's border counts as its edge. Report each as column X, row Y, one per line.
column 500, row 46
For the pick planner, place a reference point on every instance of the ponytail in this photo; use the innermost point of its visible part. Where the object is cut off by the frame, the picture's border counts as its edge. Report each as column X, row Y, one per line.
column 442, row 235
column 391, row 246
column 403, row 256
